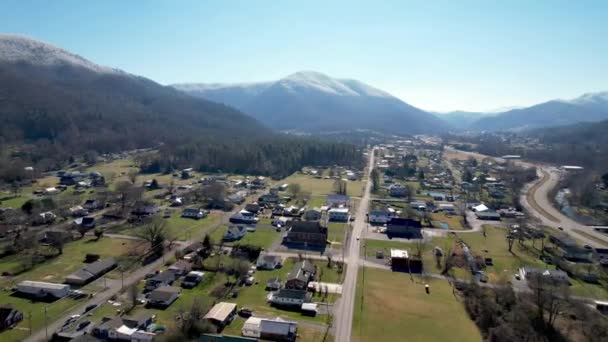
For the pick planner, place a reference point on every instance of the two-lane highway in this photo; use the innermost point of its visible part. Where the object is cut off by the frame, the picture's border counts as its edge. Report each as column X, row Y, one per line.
column 344, row 314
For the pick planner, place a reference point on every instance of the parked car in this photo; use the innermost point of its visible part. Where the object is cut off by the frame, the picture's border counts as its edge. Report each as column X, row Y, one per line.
column 90, row 307
column 245, row 312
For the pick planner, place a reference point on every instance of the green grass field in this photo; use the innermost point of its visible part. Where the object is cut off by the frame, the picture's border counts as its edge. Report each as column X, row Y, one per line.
column 316, row 186
column 262, row 237
column 54, row 270
column 316, row 201
column 186, row 228
column 390, row 307
column 336, row 231
column 454, row 221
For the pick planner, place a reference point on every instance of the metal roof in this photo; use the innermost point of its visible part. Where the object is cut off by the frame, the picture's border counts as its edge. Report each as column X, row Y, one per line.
column 221, row 311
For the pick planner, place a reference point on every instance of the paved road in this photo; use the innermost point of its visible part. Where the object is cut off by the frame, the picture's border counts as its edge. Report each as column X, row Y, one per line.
column 548, row 178
column 344, row 311
column 551, row 216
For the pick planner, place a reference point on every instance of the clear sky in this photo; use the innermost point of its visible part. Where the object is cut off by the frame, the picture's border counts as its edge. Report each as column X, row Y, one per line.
column 448, row 55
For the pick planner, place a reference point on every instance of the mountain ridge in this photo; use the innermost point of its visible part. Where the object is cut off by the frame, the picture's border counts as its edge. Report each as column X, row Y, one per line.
column 311, row 101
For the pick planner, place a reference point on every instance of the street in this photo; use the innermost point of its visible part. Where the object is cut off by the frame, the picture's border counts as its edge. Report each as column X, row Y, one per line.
column 344, row 311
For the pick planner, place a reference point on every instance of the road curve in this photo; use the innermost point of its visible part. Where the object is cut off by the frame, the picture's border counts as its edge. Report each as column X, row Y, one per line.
column 344, row 311
column 535, row 198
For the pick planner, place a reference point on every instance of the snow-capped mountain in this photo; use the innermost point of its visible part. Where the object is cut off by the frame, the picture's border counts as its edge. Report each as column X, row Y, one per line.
column 589, row 107
column 312, row 101
column 15, row 49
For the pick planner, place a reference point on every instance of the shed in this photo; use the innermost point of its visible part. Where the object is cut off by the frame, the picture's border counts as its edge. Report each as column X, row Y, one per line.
column 221, row 313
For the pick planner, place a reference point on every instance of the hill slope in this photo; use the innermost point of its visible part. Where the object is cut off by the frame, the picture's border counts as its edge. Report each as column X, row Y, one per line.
column 311, row 101
column 55, row 105
column 587, row 108
column 49, row 93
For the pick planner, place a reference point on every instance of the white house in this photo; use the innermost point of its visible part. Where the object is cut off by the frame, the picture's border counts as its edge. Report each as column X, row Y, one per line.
column 42, row 289
column 338, row 214
column 380, row 216
column 194, row 213
column 289, row 297
column 268, row 262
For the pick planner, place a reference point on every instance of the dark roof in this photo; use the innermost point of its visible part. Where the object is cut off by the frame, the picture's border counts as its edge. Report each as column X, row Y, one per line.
column 282, row 328
column 164, row 276
column 288, row 293
column 163, row 294
column 297, row 274
column 100, row 266
column 337, row 198
column 307, row 227
column 397, row 221
column 137, row 319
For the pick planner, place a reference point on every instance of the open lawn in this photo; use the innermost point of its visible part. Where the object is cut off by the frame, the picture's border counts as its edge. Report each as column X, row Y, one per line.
column 316, row 201
column 391, row 307
column 55, row 269
column 319, row 186
column 453, row 221
column 336, row 231
column 263, row 237
column 33, row 314
column 187, row 228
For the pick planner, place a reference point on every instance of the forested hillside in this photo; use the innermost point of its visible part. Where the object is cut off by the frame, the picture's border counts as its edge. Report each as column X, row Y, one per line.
column 55, row 105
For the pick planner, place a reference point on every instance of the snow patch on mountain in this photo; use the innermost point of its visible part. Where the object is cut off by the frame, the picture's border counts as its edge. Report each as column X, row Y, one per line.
column 16, row 48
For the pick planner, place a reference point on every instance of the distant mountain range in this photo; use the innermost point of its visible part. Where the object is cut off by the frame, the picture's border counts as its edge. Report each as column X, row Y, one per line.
column 460, row 120
column 311, row 101
column 589, row 107
column 49, row 93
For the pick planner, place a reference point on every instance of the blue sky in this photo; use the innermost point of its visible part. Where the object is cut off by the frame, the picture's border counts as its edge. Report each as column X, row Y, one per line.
column 444, row 55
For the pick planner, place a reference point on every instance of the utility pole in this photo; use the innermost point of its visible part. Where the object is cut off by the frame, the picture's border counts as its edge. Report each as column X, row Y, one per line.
column 46, row 326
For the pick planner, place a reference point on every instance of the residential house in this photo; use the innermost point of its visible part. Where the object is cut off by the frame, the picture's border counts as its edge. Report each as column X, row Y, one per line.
column 194, row 213
column 270, row 329
column 258, row 183
column 418, row 205
column 87, row 222
column 192, row 279
column 179, row 268
column 243, row 217
column 405, row 228
column 221, row 314
column 91, row 272
column 126, row 328
column 336, row 201
column 268, row 262
column 380, row 216
column 338, row 214
column 313, row 214
column 269, row 198
column 527, row 273
column 9, row 316
column 92, row 204
column 273, row 284
column 235, row 233
column 165, row 278
column 289, row 297
column 301, row 274
column 447, row 208
column 253, row 208
column 306, row 234
column 572, row 251
column 145, row 210
column 78, row 211
column 488, row 215
column 397, row 190
column 402, row 261
column 236, row 198
column 41, row 289
column 163, row 296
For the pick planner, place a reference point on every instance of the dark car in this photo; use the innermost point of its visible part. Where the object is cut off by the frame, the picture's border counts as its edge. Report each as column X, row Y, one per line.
column 245, row 312
column 83, row 325
column 90, row 307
